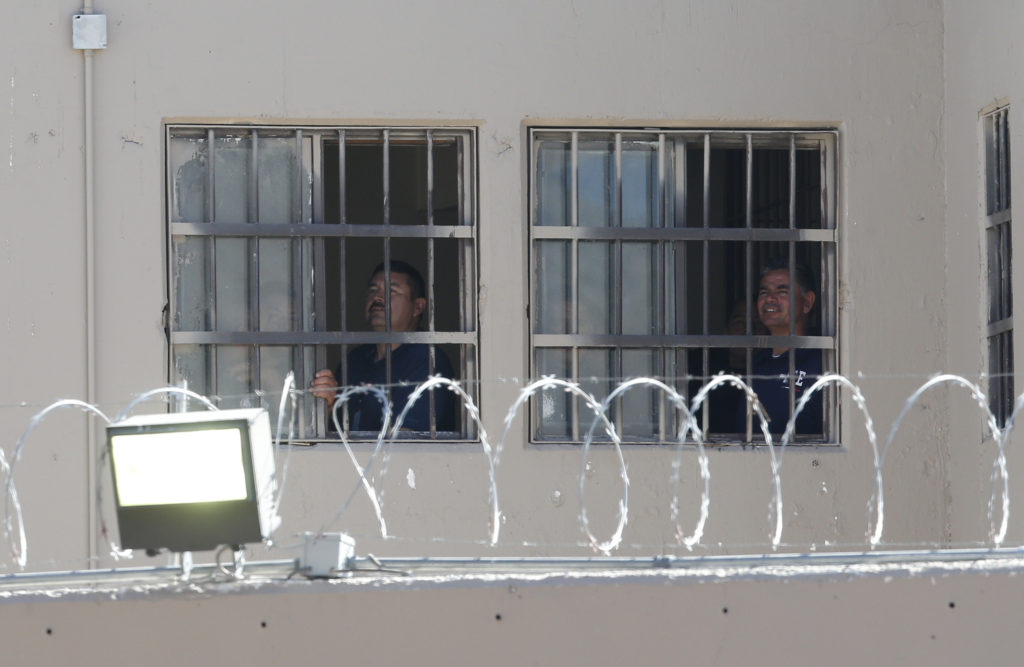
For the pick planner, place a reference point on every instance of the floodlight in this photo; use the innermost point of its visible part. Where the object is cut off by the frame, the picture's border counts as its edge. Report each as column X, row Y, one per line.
column 193, row 481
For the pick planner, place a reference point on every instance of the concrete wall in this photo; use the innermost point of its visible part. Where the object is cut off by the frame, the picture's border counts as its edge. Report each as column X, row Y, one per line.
column 874, row 70
column 640, row 618
column 980, row 51
column 903, row 81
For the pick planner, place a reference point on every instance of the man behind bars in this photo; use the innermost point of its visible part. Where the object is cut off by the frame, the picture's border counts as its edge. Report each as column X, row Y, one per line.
column 410, row 362
column 771, row 367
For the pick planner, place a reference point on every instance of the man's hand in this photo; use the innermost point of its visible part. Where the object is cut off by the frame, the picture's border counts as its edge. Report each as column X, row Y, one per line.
column 324, row 385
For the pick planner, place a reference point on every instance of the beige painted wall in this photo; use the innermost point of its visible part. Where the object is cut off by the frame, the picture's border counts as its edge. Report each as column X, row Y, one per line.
column 875, row 71
column 903, row 81
column 645, row 618
column 980, row 52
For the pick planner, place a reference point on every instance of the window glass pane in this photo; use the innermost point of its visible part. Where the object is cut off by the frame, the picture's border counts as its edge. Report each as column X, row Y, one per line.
column 408, row 176
column 597, row 287
column 187, row 157
column 190, row 363
column 554, row 188
column 638, row 289
column 689, row 178
column 808, row 188
column 364, row 182
column 234, row 376
column 232, row 156
column 597, row 192
column 277, row 180
column 448, row 180
column 191, row 289
column 770, row 187
column 639, row 183
column 727, row 185
column 552, row 406
column 640, row 417
column 276, row 361
column 232, row 284
column 277, row 298
column 554, row 301
column 597, row 370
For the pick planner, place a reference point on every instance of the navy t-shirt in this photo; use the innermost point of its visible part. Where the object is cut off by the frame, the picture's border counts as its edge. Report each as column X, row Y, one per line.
column 772, row 388
column 410, row 363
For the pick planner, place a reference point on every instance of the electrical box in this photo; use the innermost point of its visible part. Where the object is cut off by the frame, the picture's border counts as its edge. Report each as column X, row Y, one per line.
column 89, row 31
column 326, row 554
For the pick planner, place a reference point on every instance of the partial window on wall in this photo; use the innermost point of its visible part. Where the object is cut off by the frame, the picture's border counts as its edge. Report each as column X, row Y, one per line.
column 999, row 246
column 647, row 254
column 273, row 236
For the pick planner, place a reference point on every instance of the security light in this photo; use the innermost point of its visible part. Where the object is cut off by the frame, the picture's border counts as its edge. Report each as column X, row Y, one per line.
column 193, row 481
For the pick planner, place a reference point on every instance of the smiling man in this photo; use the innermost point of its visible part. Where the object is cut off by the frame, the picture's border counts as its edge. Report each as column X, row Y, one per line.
column 410, row 362
column 785, row 309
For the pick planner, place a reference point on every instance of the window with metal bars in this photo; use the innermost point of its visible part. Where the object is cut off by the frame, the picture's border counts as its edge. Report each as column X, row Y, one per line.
column 273, row 234
column 647, row 248
column 999, row 247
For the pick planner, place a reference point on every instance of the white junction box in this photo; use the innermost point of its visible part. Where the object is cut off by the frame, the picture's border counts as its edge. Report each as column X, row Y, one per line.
column 89, row 31
column 326, row 554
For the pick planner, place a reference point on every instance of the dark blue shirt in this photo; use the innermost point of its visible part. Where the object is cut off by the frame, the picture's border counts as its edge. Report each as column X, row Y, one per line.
column 410, row 363
column 772, row 388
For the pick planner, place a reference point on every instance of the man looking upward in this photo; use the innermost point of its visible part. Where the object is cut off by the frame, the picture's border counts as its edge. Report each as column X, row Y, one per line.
column 781, row 305
column 410, row 362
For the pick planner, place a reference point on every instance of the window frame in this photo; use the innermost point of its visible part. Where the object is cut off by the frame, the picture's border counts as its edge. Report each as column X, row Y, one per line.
column 827, row 236
column 998, row 244
column 311, row 225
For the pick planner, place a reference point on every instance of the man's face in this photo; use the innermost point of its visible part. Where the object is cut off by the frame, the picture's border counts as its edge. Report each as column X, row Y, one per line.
column 405, row 310
column 773, row 303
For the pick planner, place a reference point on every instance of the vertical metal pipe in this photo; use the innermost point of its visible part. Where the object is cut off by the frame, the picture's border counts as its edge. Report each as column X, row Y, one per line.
column 90, row 291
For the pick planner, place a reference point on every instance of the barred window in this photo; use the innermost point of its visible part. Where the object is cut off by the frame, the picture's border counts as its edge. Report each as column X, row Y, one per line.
column 999, row 246
column 647, row 248
column 273, row 234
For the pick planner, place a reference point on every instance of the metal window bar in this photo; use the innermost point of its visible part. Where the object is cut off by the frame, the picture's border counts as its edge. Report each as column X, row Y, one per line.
column 319, row 279
column 748, row 286
column 658, row 261
column 574, row 288
column 299, row 306
column 705, row 276
column 343, row 263
column 211, row 262
column 253, row 248
column 617, row 272
column 431, row 351
column 828, row 285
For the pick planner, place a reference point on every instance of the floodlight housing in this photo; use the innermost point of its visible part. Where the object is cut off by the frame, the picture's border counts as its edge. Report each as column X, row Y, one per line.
column 193, row 481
